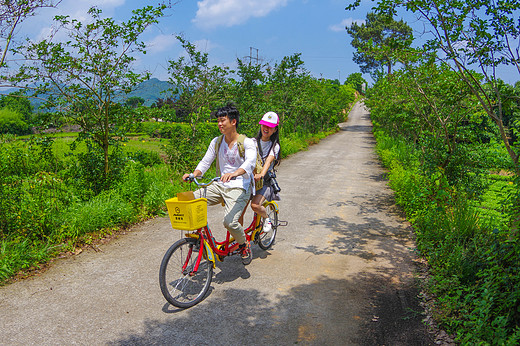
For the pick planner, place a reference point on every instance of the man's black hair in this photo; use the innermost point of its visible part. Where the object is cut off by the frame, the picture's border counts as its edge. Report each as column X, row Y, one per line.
column 230, row 111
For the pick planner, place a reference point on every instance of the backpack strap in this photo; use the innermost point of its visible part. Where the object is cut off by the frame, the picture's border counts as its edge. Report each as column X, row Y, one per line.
column 217, row 149
column 240, row 145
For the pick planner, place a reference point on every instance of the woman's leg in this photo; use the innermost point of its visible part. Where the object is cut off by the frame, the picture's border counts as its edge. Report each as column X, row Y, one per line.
column 241, row 220
column 257, row 205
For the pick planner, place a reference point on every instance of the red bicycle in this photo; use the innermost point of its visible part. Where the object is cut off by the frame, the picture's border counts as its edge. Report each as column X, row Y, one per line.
column 187, row 267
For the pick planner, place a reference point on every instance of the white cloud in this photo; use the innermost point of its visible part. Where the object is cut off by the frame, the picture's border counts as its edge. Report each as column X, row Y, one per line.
column 78, row 9
column 213, row 13
column 346, row 22
column 160, row 43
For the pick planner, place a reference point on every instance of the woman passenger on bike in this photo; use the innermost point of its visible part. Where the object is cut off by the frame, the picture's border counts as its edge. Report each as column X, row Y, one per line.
column 268, row 145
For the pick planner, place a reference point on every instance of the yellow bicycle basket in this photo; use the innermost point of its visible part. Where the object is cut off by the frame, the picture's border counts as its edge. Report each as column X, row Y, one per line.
column 187, row 215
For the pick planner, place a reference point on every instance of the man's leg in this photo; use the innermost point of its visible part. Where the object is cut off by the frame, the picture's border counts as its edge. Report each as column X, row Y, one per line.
column 213, row 194
column 236, row 200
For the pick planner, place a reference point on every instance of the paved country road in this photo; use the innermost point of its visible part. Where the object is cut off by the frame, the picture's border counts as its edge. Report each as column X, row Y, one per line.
column 341, row 272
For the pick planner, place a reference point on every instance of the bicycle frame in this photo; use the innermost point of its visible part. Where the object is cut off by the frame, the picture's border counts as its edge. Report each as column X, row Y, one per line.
column 210, row 247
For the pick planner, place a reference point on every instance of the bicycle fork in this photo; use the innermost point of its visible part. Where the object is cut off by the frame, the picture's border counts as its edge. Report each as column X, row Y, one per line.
column 185, row 269
column 204, row 251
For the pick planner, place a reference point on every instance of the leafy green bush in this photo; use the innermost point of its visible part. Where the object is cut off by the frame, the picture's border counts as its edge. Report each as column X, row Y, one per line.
column 475, row 273
column 42, row 211
column 106, row 210
column 22, row 182
column 87, row 174
column 146, row 158
column 12, row 122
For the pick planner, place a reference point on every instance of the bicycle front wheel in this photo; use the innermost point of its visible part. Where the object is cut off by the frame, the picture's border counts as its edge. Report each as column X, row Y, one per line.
column 266, row 239
column 180, row 284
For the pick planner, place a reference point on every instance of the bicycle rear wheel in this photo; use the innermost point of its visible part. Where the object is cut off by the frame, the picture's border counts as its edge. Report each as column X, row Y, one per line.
column 266, row 239
column 184, row 288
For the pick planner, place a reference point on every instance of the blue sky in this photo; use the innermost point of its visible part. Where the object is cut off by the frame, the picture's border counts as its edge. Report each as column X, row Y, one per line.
column 227, row 29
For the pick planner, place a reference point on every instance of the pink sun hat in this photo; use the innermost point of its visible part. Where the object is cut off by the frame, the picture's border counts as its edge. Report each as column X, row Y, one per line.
column 270, row 119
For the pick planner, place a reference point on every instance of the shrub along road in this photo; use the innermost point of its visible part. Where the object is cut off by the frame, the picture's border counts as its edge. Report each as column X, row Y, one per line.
column 341, row 273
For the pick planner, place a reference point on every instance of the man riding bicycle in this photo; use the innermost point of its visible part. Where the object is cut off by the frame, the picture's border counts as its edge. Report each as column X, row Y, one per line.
column 234, row 188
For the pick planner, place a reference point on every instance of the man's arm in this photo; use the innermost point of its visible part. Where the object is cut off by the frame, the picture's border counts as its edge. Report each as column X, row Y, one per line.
column 228, row 176
column 206, row 161
column 250, row 156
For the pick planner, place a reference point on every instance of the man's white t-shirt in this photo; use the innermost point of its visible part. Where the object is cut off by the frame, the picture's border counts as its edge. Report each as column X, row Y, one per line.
column 230, row 161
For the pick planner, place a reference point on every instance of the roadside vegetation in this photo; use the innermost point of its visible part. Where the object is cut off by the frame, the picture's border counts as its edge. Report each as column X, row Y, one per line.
column 448, row 131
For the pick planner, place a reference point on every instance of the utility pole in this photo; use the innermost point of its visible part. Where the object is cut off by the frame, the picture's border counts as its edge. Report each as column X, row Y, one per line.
column 251, row 57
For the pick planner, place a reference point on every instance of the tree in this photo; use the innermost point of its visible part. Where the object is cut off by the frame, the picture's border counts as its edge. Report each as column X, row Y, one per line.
column 479, row 34
column 249, row 88
column 82, row 77
column 377, row 40
column 134, row 102
column 288, row 83
column 198, row 86
column 12, row 14
column 357, row 81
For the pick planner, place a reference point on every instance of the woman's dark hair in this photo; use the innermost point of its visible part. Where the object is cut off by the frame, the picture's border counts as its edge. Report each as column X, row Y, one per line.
column 275, row 138
column 230, row 111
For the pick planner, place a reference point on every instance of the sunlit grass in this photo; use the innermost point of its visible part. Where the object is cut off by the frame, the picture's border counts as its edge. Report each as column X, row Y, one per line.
column 63, row 143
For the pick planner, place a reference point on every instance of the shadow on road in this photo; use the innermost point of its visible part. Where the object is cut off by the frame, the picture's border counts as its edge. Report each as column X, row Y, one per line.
column 288, row 321
column 357, row 128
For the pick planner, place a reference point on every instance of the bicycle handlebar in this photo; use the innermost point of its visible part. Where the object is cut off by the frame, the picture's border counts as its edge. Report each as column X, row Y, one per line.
column 193, row 179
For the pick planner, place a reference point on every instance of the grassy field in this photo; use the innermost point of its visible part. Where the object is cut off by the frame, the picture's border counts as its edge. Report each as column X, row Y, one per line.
column 64, row 140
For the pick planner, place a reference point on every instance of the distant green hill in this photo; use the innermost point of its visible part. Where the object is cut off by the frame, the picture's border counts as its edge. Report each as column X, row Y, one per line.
column 149, row 90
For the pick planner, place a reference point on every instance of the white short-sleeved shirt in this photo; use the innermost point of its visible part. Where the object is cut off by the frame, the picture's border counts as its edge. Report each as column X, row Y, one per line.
column 230, row 160
column 269, row 149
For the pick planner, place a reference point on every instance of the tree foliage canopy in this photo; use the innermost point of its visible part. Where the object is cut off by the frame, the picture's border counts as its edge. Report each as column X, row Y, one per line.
column 377, row 41
column 12, row 14
column 198, row 86
column 357, row 81
column 480, row 35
